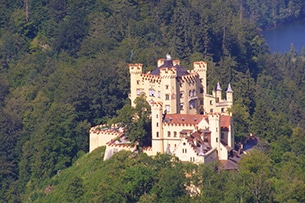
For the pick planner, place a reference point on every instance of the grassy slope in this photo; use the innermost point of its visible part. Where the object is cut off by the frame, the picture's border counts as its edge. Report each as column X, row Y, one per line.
column 88, row 168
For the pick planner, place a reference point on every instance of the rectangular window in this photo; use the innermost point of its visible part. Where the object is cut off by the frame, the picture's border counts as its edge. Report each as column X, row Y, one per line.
column 157, row 134
column 157, row 124
column 166, row 87
column 181, row 94
column 167, row 107
column 138, row 82
column 167, row 97
column 175, row 134
column 168, row 134
column 138, row 92
column 159, row 94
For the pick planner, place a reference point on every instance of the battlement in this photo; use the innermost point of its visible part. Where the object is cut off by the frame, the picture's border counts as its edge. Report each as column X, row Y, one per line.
column 155, row 104
column 168, row 71
column 120, row 145
column 135, row 68
column 200, row 65
column 176, row 62
column 189, row 78
column 100, row 129
column 160, row 62
column 151, row 78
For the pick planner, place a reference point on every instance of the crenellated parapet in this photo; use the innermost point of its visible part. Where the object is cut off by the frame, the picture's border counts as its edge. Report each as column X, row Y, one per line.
column 168, row 73
column 200, row 66
column 99, row 136
column 192, row 78
column 135, row 68
column 151, row 78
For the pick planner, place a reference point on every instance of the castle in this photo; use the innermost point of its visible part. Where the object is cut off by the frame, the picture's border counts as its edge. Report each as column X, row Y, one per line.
column 186, row 121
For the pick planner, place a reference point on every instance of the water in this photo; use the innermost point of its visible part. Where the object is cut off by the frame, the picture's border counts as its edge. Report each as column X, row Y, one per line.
column 281, row 39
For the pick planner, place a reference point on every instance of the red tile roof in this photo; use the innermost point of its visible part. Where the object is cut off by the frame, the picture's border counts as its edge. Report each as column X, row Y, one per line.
column 190, row 119
column 225, row 121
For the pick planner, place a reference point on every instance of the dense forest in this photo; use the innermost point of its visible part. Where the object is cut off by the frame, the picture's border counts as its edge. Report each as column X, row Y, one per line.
column 63, row 69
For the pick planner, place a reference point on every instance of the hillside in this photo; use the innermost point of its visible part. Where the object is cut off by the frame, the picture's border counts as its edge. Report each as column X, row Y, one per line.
column 133, row 177
column 126, row 177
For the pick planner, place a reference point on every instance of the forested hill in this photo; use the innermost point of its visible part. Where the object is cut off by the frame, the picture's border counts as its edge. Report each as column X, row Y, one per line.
column 64, row 68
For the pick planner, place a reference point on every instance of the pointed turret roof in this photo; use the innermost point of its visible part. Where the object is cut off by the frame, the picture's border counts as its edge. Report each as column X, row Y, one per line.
column 229, row 89
column 218, row 88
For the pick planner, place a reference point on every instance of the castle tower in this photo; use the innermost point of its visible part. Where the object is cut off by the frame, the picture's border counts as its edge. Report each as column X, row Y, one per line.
column 157, row 128
column 231, row 139
column 229, row 95
column 201, row 68
column 214, row 127
column 218, row 93
column 136, row 88
column 169, row 89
